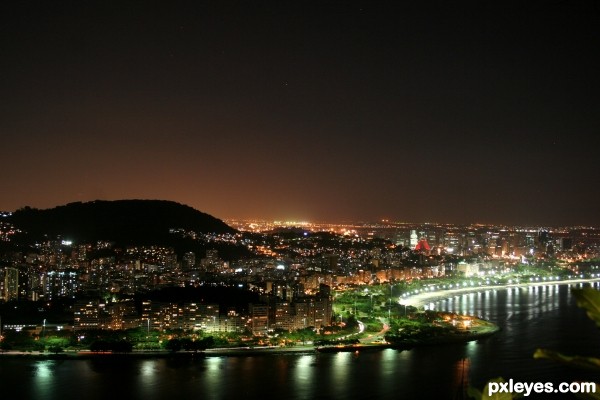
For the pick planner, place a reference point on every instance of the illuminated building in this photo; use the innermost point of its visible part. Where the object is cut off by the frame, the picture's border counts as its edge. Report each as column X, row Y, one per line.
column 123, row 315
column 11, row 284
column 259, row 319
column 60, row 284
column 208, row 315
column 468, row 269
column 422, row 246
column 283, row 318
column 90, row 314
column 414, row 239
column 188, row 261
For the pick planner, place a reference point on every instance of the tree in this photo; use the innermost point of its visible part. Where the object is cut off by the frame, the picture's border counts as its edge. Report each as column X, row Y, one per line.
column 19, row 340
column 351, row 322
column 206, row 343
column 4, row 346
column 122, row 346
column 173, row 345
column 57, row 342
column 55, row 349
column 100, row 345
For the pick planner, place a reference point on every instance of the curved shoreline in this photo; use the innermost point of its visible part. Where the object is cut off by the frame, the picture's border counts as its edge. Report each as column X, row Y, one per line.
column 421, row 299
column 217, row 352
column 418, row 300
column 464, row 337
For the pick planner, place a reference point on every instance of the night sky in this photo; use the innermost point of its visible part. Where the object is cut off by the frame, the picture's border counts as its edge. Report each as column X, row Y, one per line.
column 453, row 111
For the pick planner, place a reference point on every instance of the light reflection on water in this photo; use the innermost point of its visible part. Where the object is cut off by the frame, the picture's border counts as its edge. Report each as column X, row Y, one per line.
column 303, row 370
column 339, row 370
column 530, row 317
column 213, row 370
column 42, row 377
column 147, row 377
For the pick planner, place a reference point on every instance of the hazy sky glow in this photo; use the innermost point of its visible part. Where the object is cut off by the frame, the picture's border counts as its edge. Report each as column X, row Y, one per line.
column 458, row 113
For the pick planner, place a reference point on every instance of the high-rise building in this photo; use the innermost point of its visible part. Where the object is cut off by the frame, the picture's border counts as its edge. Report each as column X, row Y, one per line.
column 313, row 311
column 188, row 261
column 259, row 318
column 61, row 283
column 90, row 314
column 414, row 239
column 283, row 317
column 566, row 243
column 11, row 284
column 153, row 314
column 232, row 322
column 123, row 315
column 208, row 317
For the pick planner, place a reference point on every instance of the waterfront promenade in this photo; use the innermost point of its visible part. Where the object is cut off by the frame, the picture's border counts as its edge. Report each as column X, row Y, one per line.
column 423, row 298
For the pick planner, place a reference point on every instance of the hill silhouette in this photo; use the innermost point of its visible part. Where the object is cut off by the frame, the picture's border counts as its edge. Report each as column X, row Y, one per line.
column 124, row 222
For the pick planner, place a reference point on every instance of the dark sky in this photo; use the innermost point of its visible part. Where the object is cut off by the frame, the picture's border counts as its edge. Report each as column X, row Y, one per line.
column 451, row 111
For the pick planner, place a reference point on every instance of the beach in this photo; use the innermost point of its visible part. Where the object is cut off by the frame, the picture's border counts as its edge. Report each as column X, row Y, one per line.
column 423, row 298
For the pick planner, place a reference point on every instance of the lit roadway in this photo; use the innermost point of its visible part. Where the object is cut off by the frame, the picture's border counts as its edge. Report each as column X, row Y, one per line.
column 375, row 338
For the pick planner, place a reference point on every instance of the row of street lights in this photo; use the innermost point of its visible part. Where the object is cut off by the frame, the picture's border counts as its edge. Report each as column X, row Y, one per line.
column 390, row 302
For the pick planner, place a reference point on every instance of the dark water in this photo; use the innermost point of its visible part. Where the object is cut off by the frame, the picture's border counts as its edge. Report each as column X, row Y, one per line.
column 544, row 316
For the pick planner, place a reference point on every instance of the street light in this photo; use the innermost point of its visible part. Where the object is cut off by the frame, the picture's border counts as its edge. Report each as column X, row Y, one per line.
column 43, row 327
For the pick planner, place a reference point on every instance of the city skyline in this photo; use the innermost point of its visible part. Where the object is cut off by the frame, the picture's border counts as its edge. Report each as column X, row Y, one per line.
column 462, row 113
column 259, row 224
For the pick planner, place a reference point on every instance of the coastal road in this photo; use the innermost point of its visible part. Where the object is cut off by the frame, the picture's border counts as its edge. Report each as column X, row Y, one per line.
column 376, row 337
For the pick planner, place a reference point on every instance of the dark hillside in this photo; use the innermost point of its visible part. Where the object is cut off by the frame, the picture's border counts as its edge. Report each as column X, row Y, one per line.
column 124, row 222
